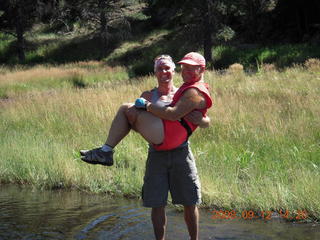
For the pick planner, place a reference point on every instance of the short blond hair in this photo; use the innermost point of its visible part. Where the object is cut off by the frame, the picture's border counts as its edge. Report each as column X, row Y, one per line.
column 163, row 59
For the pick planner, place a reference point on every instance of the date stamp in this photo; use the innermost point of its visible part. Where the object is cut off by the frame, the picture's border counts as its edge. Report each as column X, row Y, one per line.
column 265, row 215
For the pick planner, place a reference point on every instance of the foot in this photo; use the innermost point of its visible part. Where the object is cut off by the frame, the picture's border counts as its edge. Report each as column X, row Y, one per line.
column 97, row 156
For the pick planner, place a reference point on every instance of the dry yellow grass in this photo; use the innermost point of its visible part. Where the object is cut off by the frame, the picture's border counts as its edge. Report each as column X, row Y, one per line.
column 40, row 72
column 260, row 152
column 235, row 68
column 10, row 77
column 312, row 64
column 268, row 67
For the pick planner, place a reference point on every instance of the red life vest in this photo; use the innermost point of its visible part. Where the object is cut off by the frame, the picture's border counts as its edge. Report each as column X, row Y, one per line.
column 203, row 88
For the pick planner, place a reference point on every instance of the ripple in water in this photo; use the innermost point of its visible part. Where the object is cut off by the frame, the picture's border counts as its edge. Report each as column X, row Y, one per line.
column 31, row 215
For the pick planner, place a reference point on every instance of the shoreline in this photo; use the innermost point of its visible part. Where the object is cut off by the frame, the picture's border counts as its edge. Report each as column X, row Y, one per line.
column 218, row 213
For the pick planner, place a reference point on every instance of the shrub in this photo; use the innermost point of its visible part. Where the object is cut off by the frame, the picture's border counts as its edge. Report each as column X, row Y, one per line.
column 235, row 68
column 268, row 67
column 312, row 64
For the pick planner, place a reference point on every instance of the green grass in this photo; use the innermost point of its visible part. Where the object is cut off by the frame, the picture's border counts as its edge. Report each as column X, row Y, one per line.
column 252, row 56
column 260, row 153
column 46, row 78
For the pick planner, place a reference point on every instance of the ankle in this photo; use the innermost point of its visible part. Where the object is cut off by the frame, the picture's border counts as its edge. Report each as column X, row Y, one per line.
column 107, row 148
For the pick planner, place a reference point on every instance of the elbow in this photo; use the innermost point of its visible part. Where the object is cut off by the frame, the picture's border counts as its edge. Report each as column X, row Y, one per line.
column 205, row 124
column 174, row 118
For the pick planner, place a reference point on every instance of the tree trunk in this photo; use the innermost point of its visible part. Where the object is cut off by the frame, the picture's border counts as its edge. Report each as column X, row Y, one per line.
column 103, row 29
column 208, row 27
column 252, row 21
column 19, row 33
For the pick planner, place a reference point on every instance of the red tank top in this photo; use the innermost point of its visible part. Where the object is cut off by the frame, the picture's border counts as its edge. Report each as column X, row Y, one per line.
column 201, row 87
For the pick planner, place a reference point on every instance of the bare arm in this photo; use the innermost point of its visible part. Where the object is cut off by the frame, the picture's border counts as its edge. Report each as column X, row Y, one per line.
column 196, row 118
column 146, row 95
column 205, row 122
column 190, row 100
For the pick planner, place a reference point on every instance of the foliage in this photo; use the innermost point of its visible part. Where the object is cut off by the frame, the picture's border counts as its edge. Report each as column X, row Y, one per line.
column 16, row 11
column 92, row 30
column 17, row 16
column 250, row 55
column 251, row 20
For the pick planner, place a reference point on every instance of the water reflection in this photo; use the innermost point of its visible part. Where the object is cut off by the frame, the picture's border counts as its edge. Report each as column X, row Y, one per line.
column 31, row 214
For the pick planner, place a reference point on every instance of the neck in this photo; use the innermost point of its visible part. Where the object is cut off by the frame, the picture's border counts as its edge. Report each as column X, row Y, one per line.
column 165, row 89
column 194, row 80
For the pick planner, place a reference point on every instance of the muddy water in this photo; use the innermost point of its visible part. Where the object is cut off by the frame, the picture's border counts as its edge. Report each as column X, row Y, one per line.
column 30, row 214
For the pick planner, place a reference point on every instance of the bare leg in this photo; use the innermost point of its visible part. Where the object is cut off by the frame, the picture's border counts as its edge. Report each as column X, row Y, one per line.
column 120, row 126
column 191, row 217
column 159, row 221
column 148, row 125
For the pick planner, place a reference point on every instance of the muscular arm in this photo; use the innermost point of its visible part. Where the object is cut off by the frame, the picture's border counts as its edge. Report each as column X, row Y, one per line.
column 196, row 118
column 190, row 100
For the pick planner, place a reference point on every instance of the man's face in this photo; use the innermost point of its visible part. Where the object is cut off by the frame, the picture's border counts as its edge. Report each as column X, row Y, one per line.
column 191, row 73
column 164, row 73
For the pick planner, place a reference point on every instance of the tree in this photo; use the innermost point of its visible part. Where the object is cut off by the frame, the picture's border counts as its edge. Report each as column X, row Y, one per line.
column 103, row 28
column 197, row 16
column 207, row 19
column 17, row 17
column 104, row 18
column 297, row 19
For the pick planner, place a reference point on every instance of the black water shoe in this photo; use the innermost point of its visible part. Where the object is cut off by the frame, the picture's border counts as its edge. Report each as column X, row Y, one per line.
column 97, row 156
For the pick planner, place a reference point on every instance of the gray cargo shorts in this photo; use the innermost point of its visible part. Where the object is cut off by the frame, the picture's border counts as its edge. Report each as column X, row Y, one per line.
column 173, row 171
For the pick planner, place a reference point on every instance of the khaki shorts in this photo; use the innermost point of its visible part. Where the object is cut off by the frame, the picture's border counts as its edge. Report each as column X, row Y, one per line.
column 173, row 171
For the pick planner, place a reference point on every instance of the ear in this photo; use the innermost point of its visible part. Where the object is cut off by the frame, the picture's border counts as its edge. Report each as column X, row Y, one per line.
column 202, row 69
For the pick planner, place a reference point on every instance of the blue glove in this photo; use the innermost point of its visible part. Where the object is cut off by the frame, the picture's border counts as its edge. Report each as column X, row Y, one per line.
column 141, row 103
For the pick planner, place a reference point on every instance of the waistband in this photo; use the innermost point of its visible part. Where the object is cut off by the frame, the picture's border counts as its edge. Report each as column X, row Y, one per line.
column 185, row 144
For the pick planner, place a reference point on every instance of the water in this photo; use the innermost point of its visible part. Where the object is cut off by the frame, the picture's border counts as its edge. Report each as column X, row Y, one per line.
column 30, row 214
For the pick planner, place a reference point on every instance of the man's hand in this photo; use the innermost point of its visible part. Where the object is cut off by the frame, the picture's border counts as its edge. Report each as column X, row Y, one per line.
column 141, row 103
column 195, row 117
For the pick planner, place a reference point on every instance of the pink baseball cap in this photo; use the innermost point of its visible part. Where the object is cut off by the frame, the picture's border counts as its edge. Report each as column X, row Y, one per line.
column 193, row 58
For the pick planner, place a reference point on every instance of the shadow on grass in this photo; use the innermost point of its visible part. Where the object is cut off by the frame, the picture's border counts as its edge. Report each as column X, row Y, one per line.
column 281, row 56
column 139, row 60
column 78, row 82
column 8, row 55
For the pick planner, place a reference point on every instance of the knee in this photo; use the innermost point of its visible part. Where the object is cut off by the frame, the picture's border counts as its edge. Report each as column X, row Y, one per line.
column 125, row 106
column 130, row 111
column 158, row 208
column 158, row 211
column 190, row 208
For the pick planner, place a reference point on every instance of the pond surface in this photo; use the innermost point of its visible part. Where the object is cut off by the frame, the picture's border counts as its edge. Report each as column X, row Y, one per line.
column 31, row 215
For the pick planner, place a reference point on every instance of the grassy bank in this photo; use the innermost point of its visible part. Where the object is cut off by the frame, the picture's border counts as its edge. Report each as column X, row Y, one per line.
column 138, row 50
column 261, row 151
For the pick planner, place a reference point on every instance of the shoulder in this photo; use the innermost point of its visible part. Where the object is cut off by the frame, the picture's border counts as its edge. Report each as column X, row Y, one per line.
column 191, row 92
column 194, row 96
column 147, row 95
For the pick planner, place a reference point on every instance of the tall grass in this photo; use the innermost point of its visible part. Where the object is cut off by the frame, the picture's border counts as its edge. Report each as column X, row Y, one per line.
column 261, row 151
column 80, row 74
column 265, row 136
